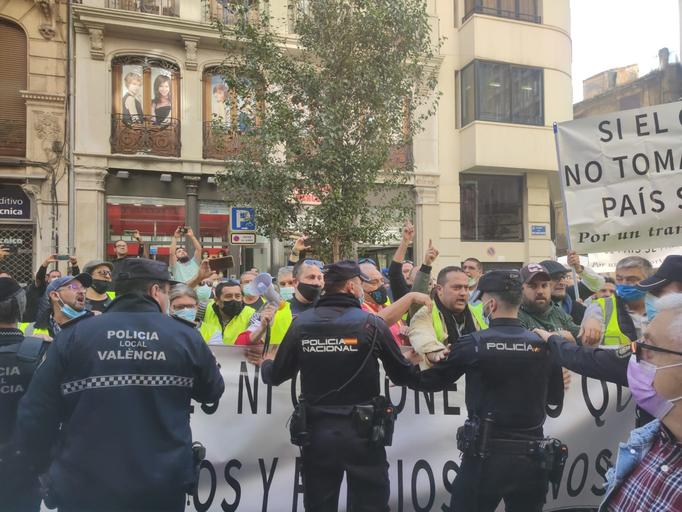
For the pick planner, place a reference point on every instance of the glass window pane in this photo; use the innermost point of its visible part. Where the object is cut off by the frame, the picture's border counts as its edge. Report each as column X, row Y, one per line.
column 491, row 208
column 528, row 9
column 508, row 8
column 467, row 102
column 493, row 92
column 526, row 96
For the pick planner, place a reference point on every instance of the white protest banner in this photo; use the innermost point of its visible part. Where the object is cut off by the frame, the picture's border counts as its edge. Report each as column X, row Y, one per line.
column 606, row 261
column 251, row 466
column 621, row 177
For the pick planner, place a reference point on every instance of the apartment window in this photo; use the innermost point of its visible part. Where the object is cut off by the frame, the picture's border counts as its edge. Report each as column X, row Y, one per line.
column 491, row 208
column 524, row 10
column 146, row 106
column 227, row 115
column 12, row 106
column 494, row 91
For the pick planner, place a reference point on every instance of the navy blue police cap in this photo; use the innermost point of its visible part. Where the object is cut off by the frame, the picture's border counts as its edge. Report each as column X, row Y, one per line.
column 498, row 281
column 343, row 271
column 143, row 268
column 669, row 271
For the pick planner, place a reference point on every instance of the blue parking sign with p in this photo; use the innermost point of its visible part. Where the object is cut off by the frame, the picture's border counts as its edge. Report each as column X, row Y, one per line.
column 243, row 220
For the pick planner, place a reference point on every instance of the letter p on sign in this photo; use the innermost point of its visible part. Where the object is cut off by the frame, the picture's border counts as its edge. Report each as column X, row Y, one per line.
column 243, row 220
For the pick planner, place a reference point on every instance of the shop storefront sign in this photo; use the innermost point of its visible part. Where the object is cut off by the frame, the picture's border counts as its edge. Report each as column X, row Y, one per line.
column 14, row 204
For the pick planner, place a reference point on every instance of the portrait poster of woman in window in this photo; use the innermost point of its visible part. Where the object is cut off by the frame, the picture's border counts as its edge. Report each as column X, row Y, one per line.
column 132, row 87
column 161, row 96
column 221, row 102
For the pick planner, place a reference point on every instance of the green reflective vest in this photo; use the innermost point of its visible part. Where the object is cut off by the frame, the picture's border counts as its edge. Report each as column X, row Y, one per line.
column 612, row 333
column 29, row 329
column 281, row 323
column 210, row 327
column 476, row 312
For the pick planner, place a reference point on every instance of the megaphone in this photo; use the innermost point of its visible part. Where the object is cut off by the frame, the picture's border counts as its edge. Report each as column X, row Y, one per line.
column 262, row 286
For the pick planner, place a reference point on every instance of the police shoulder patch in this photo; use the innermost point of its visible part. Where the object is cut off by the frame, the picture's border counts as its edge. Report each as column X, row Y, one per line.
column 624, row 352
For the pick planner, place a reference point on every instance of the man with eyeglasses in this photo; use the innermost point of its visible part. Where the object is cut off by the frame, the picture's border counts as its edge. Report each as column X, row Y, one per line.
column 226, row 316
column 611, row 363
column 100, row 293
column 120, row 385
column 66, row 303
column 648, row 471
column 121, row 251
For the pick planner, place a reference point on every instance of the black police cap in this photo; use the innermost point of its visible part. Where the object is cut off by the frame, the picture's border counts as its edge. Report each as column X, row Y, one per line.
column 142, row 268
column 498, row 281
column 343, row 271
column 8, row 287
column 669, row 271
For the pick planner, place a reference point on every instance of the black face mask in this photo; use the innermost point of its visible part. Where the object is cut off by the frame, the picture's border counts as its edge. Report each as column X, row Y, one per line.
column 184, row 259
column 232, row 308
column 310, row 292
column 100, row 286
column 380, row 296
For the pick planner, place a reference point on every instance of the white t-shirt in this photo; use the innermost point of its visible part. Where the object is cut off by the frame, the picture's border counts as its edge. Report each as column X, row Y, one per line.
column 185, row 271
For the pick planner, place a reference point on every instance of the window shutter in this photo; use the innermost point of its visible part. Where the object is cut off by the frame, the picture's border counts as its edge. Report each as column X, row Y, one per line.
column 12, row 80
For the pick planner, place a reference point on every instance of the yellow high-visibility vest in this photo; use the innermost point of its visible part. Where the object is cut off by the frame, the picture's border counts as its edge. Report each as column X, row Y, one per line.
column 210, row 327
column 476, row 313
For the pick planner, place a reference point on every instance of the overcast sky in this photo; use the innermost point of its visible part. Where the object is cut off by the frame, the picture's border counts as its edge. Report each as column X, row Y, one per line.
column 612, row 33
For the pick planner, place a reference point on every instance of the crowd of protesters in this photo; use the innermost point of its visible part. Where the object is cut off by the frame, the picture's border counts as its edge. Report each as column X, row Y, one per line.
column 426, row 312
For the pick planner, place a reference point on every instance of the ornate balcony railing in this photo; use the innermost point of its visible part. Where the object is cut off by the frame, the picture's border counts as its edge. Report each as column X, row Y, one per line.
column 12, row 137
column 132, row 135
column 220, row 142
column 161, row 7
column 227, row 12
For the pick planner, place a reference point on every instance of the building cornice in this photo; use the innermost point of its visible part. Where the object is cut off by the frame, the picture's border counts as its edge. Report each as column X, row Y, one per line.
column 43, row 97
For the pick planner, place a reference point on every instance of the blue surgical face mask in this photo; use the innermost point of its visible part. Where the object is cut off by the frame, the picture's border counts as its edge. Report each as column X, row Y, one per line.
column 650, row 304
column 629, row 292
column 69, row 312
column 287, row 292
column 189, row 314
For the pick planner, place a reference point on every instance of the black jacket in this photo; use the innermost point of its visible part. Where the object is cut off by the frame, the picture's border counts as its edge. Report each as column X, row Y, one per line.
column 509, row 373
column 120, row 384
column 328, row 344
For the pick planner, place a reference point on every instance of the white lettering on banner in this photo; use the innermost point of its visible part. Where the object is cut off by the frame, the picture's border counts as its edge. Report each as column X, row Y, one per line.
column 606, row 261
column 11, row 241
column 621, row 176
column 251, row 465
column 11, row 211
column 11, row 201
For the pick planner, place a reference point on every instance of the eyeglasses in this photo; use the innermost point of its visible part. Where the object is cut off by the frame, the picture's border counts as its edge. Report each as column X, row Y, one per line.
column 103, row 273
column 76, row 287
column 408, row 262
column 637, row 346
column 319, row 264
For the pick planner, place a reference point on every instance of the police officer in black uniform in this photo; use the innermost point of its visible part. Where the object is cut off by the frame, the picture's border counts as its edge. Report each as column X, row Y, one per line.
column 19, row 357
column 509, row 381
column 341, row 421
column 120, row 384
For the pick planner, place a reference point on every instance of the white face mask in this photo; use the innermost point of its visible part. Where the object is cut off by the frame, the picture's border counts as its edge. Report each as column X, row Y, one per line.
column 489, row 315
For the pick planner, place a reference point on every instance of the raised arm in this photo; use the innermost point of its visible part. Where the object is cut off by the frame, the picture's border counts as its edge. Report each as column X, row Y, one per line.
column 197, row 245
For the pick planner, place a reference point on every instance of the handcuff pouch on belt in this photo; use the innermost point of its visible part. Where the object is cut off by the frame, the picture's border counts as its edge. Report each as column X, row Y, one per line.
column 375, row 421
column 474, row 435
column 298, row 424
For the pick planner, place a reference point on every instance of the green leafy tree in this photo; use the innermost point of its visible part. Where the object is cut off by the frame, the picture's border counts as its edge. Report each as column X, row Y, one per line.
column 330, row 108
